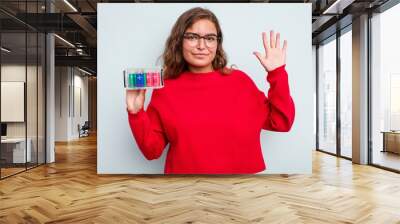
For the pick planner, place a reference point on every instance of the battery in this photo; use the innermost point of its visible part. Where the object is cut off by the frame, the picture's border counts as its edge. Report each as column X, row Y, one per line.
column 140, row 80
column 143, row 78
column 131, row 80
column 149, row 79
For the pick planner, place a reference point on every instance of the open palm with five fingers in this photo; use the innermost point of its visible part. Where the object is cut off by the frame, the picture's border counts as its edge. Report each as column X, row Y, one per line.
column 275, row 56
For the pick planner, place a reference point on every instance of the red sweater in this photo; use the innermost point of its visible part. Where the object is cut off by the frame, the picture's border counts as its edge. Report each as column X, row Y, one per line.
column 213, row 121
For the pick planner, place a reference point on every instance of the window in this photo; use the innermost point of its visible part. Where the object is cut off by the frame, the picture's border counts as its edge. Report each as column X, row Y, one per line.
column 327, row 97
column 346, row 75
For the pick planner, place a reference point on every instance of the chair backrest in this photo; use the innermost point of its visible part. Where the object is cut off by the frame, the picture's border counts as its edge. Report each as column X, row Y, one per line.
column 86, row 124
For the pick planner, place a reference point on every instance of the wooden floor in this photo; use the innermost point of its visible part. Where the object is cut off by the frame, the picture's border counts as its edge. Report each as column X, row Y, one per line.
column 5, row 172
column 70, row 191
column 387, row 159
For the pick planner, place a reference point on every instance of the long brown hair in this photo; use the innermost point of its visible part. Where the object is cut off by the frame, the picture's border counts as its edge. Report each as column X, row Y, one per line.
column 174, row 62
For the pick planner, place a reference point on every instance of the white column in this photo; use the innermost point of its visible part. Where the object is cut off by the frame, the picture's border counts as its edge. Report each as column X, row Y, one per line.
column 50, row 102
column 360, row 90
column 50, row 110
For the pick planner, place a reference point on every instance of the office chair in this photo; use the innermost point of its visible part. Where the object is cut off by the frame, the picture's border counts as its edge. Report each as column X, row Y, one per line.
column 84, row 130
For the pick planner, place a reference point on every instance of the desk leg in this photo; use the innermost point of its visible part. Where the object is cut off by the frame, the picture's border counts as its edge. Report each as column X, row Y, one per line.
column 384, row 142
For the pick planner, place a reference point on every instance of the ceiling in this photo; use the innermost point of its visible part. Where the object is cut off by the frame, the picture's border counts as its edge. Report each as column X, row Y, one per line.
column 76, row 22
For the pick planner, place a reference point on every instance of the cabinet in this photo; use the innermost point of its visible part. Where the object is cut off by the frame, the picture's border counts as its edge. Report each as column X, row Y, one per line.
column 391, row 141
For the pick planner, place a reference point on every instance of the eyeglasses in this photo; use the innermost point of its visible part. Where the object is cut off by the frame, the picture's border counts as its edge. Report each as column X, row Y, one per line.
column 193, row 39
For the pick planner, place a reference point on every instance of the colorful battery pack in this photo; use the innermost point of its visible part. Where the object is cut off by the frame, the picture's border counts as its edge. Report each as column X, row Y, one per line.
column 143, row 78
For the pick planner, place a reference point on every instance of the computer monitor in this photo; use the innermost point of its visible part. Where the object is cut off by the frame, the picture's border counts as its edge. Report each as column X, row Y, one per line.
column 3, row 129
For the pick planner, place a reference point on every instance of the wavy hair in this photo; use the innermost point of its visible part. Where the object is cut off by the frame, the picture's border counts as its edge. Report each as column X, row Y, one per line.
column 174, row 62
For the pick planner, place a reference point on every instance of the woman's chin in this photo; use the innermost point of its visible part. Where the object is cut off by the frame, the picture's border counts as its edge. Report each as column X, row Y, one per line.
column 200, row 63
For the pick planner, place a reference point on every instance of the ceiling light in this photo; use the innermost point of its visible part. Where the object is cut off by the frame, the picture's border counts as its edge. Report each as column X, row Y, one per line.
column 338, row 6
column 84, row 71
column 65, row 41
column 70, row 5
column 329, row 9
column 5, row 50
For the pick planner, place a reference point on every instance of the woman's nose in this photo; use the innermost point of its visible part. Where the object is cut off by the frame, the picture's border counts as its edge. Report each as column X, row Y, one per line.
column 201, row 43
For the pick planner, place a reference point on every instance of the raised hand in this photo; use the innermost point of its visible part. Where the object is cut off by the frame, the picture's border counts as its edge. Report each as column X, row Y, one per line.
column 275, row 56
column 135, row 100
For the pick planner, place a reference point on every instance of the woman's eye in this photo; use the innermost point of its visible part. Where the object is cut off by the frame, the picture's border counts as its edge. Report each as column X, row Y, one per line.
column 191, row 37
column 211, row 38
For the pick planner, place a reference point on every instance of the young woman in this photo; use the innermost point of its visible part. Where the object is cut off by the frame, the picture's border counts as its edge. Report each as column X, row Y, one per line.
column 210, row 115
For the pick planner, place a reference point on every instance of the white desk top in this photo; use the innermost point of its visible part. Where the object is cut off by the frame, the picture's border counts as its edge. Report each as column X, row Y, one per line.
column 13, row 140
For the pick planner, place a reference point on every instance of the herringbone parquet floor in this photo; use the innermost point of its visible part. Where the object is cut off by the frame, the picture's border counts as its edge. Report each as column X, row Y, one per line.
column 70, row 191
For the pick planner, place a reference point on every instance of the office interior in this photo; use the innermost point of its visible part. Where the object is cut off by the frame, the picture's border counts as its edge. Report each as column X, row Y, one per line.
column 48, row 80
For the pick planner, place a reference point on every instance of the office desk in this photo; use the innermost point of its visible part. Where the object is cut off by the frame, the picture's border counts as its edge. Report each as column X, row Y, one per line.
column 391, row 141
column 16, row 147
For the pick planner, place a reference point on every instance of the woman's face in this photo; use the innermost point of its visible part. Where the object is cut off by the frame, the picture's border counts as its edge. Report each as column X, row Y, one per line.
column 200, row 53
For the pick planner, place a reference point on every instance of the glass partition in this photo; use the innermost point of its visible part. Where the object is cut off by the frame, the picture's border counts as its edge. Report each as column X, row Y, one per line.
column 22, row 77
column 385, row 89
column 13, row 103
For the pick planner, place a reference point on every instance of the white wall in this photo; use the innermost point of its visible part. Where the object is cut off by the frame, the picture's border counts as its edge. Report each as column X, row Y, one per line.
column 242, row 24
column 15, row 73
column 13, row 101
column 61, row 103
column 68, row 82
column 79, row 117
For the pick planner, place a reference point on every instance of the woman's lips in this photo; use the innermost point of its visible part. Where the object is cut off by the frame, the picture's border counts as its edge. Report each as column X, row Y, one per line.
column 200, row 55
